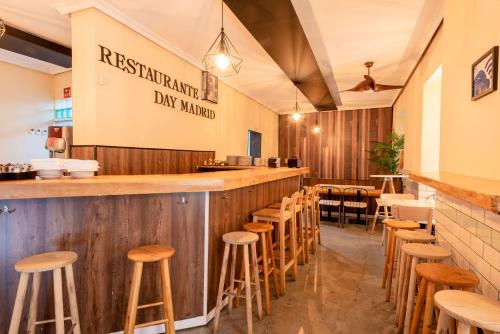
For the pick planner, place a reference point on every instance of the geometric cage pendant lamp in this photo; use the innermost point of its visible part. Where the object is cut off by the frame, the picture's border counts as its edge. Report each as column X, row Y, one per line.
column 222, row 58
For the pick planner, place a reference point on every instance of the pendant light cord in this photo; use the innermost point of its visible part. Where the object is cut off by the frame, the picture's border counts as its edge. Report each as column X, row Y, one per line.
column 222, row 13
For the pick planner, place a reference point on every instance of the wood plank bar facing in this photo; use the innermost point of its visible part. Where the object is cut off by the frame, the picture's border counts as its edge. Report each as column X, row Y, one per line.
column 481, row 192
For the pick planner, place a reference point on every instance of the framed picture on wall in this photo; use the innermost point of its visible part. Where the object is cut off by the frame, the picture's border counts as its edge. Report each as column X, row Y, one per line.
column 209, row 87
column 485, row 74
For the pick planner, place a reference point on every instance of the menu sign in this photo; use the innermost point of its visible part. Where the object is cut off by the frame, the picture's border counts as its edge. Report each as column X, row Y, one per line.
column 136, row 68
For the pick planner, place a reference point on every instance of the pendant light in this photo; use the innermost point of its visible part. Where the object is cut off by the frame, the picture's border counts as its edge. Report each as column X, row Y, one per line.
column 316, row 129
column 2, row 28
column 297, row 115
column 222, row 58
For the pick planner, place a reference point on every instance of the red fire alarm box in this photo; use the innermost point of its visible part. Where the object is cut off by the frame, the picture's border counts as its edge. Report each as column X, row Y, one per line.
column 67, row 92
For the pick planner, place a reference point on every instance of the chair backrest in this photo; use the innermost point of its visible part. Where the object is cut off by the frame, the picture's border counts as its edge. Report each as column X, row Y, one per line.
column 287, row 204
column 417, row 214
column 300, row 198
column 397, row 196
column 355, row 194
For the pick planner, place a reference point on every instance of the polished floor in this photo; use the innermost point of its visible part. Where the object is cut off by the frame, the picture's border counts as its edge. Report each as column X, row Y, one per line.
column 337, row 292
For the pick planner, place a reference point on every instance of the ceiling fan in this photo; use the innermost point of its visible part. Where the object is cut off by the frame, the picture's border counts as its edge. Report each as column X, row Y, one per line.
column 369, row 85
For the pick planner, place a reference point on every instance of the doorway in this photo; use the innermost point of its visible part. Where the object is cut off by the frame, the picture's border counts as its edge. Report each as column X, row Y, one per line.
column 431, row 122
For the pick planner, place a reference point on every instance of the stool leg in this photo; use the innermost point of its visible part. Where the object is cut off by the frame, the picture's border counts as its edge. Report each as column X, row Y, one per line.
column 18, row 306
column 265, row 270
column 133, row 299
column 429, row 308
column 281, row 227
column 318, row 221
column 273, row 264
column 73, row 305
column 231, row 278
column 220, row 293
column 411, row 295
column 168, row 307
column 404, row 293
column 58, row 299
column 463, row 328
column 248, row 291
column 400, row 280
column 306, row 235
column 301, row 236
column 257, row 280
column 443, row 322
column 34, row 303
column 313, row 228
column 417, row 314
column 293, row 247
column 387, row 260
column 375, row 218
column 388, row 287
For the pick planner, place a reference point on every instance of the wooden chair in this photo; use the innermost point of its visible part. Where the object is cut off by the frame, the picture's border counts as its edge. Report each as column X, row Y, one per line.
column 386, row 214
column 412, row 254
column 469, row 309
column 244, row 240
column 431, row 275
column 268, row 263
column 150, row 254
column 417, row 214
column 395, row 225
column 299, row 211
column 309, row 221
column 317, row 215
column 36, row 265
column 330, row 203
column 361, row 202
column 283, row 217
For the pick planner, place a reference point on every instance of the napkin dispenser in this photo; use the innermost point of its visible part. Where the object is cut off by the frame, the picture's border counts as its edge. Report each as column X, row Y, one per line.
column 294, row 162
column 273, row 162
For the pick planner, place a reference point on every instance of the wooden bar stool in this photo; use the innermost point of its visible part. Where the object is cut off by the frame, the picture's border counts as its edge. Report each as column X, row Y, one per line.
column 140, row 255
column 309, row 216
column 236, row 239
column 432, row 274
column 300, row 225
column 284, row 216
column 36, row 265
column 412, row 254
column 403, row 237
column 395, row 225
column 469, row 309
column 317, row 214
column 266, row 245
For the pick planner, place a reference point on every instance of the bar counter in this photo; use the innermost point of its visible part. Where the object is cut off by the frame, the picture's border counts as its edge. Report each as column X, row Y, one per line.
column 102, row 218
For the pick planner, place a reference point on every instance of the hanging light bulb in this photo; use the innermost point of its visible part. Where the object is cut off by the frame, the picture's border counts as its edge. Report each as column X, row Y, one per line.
column 297, row 115
column 316, row 129
column 222, row 58
column 2, row 28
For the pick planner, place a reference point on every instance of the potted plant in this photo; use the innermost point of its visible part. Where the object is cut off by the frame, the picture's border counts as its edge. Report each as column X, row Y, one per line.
column 386, row 155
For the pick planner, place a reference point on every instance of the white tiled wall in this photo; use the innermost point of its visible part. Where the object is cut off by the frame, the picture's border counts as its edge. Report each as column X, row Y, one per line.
column 473, row 236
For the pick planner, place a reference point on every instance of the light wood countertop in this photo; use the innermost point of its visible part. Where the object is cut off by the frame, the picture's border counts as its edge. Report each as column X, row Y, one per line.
column 144, row 184
column 481, row 192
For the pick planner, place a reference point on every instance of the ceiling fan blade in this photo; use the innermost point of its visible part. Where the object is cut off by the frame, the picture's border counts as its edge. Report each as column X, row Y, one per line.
column 362, row 86
column 379, row 87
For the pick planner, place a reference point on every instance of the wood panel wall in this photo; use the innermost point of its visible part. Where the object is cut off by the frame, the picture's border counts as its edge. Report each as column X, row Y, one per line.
column 229, row 210
column 101, row 230
column 131, row 161
column 340, row 151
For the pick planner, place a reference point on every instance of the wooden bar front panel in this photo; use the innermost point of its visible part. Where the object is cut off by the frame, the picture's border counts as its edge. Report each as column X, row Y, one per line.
column 102, row 230
column 138, row 161
column 229, row 210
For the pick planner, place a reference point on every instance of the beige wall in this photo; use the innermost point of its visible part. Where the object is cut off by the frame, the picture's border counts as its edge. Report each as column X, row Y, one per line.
column 470, row 134
column 61, row 81
column 26, row 101
column 112, row 107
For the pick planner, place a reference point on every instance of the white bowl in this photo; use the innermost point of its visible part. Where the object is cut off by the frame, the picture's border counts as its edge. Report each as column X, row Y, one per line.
column 50, row 173
column 82, row 174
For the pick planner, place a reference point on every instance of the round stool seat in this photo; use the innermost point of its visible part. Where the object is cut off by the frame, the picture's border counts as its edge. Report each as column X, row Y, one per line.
column 45, row 262
column 426, row 251
column 258, row 227
column 402, row 224
column 472, row 308
column 444, row 274
column 240, row 238
column 151, row 253
column 415, row 236
column 272, row 214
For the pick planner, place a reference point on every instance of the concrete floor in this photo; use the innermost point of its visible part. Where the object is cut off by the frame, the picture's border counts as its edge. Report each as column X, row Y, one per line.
column 337, row 292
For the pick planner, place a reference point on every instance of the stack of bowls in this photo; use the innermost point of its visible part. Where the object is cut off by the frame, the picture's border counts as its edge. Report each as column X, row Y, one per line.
column 232, row 160
column 244, row 160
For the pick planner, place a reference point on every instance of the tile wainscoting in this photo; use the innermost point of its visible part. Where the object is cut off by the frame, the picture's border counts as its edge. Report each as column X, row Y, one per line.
column 471, row 233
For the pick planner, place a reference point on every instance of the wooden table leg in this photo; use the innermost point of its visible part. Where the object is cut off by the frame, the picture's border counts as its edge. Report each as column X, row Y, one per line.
column 374, row 222
column 391, row 184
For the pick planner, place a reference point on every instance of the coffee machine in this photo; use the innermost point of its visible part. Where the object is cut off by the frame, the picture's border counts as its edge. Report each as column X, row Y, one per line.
column 59, row 141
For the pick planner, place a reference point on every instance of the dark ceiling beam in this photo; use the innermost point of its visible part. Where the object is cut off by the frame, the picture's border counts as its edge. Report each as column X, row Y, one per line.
column 24, row 43
column 275, row 25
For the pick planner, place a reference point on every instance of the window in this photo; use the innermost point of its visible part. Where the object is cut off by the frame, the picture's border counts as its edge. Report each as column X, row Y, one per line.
column 254, row 143
column 63, row 110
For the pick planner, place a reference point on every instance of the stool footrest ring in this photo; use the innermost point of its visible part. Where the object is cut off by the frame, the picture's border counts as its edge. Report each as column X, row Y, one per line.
column 149, row 305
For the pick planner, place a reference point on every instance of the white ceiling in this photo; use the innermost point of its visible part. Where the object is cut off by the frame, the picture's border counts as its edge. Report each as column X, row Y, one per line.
column 343, row 35
column 392, row 33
